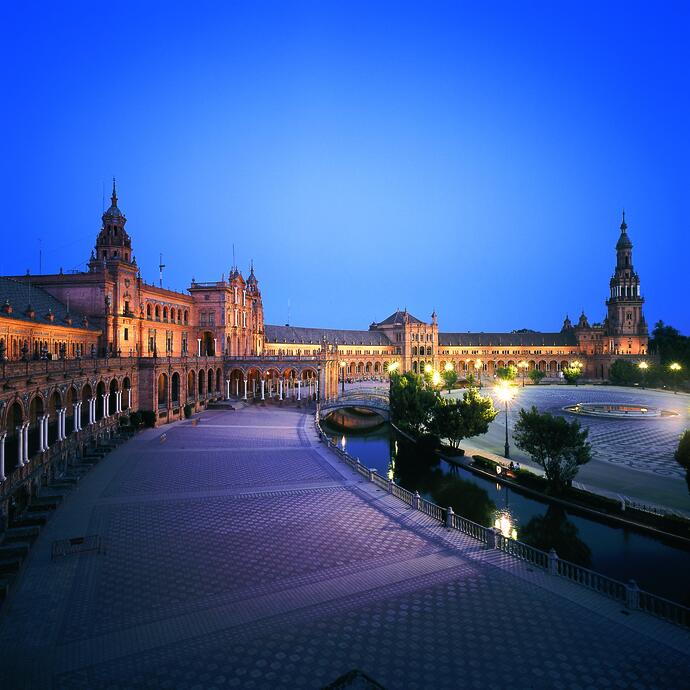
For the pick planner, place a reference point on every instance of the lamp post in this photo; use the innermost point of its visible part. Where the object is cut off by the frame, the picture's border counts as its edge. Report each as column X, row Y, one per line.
column 675, row 368
column 342, row 372
column 643, row 366
column 524, row 366
column 505, row 394
column 478, row 367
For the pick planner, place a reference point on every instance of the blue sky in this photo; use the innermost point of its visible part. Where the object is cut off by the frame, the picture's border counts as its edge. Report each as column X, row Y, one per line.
column 366, row 156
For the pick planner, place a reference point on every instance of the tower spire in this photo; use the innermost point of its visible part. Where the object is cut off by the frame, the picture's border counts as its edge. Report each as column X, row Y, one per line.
column 113, row 198
column 624, row 225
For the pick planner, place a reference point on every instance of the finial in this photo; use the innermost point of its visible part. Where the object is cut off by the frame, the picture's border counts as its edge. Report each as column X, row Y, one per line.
column 624, row 226
column 113, row 198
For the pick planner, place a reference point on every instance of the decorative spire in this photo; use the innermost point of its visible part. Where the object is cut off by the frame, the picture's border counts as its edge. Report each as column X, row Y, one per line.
column 624, row 226
column 113, row 198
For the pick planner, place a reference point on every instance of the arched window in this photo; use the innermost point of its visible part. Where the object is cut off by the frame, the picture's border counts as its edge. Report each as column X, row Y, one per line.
column 158, row 313
column 148, row 311
column 165, row 313
column 186, row 317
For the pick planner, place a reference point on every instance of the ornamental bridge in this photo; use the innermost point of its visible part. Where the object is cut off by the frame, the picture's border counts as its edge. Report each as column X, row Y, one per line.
column 371, row 400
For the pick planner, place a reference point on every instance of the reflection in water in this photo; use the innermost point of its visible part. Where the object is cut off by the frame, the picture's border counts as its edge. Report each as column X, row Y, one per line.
column 423, row 472
column 615, row 551
column 553, row 530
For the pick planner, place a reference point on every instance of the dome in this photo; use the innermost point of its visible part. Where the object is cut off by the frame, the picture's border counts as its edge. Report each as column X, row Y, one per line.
column 624, row 241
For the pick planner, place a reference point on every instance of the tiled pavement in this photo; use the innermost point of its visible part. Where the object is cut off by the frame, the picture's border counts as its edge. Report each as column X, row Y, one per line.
column 241, row 554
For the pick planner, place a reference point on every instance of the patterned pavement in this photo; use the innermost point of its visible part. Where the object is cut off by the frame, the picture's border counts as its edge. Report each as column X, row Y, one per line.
column 239, row 553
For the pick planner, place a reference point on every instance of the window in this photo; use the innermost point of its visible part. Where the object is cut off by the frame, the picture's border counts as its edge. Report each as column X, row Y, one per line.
column 148, row 312
column 168, row 341
column 202, row 318
column 126, row 334
column 184, row 343
column 211, row 318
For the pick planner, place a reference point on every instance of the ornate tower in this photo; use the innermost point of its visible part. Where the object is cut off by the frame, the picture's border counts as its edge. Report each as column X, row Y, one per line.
column 626, row 324
column 113, row 243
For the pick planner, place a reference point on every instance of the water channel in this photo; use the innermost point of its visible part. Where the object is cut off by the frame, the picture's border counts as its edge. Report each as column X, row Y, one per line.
column 657, row 564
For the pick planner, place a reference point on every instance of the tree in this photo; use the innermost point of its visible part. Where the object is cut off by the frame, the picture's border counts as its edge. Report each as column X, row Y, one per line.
column 450, row 378
column 508, row 373
column 463, row 418
column 682, row 454
column 411, row 401
column 669, row 344
column 624, row 372
column 572, row 374
column 536, row 375
column 558, row 446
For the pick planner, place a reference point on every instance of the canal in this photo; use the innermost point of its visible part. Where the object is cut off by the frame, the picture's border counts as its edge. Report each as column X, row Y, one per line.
column 658, row 565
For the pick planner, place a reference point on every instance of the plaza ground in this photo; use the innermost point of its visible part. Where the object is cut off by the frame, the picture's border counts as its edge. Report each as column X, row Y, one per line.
column 240, row 553
column 631, row 457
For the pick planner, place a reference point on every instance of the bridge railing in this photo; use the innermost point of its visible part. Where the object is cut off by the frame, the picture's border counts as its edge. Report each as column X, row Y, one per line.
column 630, row 595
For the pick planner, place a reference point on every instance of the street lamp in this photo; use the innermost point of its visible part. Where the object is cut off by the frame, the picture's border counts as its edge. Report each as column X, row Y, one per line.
column 449, row 366
column 643, row 368
column 342, row 372
column 436, row 378
column 524, row 366
column 478, row 367
column 505, row 394
column 675, row 368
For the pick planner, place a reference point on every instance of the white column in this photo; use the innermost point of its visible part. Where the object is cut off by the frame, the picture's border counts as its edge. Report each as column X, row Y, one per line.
column 280, row 388
column 299, row 389
column 25, row 442
column 316, row 388
column 198, row 340
column 245, row 388
column 41, row 431
column 129, row 398
column 92, row 411
column 59, row 424
column 215, row 346
column 46, row 419
column 263, row 389
column 237, row 387
column 76, row 416
column 20, row 446
column 227, row 389
column 2, row 456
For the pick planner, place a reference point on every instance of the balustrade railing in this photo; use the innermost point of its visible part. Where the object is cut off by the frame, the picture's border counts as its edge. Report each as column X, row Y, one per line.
column 629, row 594
column 471, row 529
column 432, row 510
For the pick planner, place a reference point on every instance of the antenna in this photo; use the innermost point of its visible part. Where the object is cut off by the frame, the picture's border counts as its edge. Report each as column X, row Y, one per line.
column 161, row 266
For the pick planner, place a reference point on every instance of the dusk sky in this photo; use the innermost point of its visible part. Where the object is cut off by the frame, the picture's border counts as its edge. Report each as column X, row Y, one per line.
column 366, row 156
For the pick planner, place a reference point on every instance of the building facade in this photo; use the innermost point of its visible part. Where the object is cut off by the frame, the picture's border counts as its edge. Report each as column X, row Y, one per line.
column 78, row 350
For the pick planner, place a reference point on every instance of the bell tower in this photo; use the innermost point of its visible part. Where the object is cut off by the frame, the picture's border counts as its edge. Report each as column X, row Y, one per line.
column 626, row 324
column 112, row 243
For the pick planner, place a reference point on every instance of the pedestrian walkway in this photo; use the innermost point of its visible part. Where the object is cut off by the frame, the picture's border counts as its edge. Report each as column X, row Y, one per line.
column 240, row 553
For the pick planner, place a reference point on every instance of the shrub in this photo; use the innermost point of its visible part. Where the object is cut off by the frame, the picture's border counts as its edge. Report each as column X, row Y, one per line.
column 148, row 418
column 187, row 409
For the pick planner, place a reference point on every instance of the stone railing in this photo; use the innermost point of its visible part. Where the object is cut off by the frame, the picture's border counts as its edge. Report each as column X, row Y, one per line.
column 630, row 595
